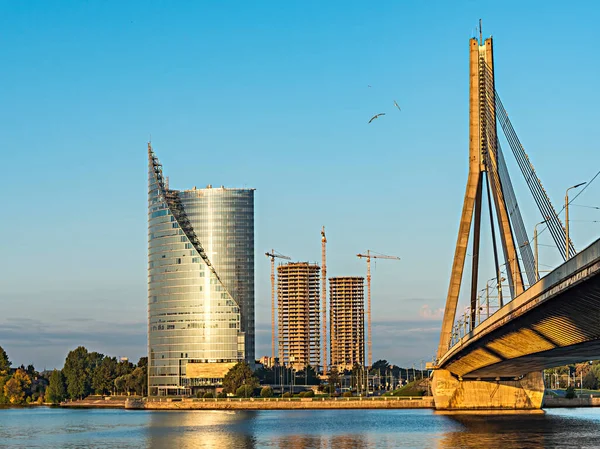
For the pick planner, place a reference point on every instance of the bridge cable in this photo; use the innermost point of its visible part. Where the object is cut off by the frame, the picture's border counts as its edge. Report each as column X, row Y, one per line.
column 489, row 144
column 516, row 219
column 498, row 274
column 531, row 178
column 570, row 204
column 539, row 194
column 533, row 182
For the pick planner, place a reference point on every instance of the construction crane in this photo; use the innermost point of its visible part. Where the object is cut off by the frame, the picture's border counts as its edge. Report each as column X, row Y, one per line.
column 273, row 254
column 324, row 296
column 370, row 256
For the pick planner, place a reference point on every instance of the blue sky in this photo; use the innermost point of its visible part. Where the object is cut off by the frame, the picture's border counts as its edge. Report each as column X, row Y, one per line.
column 275, row 96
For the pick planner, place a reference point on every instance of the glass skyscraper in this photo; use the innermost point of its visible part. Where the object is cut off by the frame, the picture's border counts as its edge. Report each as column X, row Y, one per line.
column 200, row 283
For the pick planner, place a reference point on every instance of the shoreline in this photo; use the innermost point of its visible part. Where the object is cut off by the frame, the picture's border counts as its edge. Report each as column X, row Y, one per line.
column 381, row 403
column 285, row 404
column 256, row 403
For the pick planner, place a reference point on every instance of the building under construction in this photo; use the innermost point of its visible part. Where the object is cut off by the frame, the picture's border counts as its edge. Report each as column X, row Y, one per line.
column 298, row 300
column 347, row 321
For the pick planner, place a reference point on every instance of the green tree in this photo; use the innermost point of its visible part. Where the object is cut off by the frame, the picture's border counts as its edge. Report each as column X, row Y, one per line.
column 4, row 362
column 308, row 376
column 3, row 398
column 15, row 387
column 265, row 375
column 570, row 393
column 239, row 375
column 139, row 380
column 142, row 381
column 142, row 362
column 124, row 367
column 31, row 371
column 380, row 366
column 55, row 392
column 120, row 384
column 103, row 376
column 596, row 371
column 76, row 372
column 94, row 361
column 129, row 383
column 590, row 381
column 245, row 391
column 357, row 377
column 13, row 391
column 266, row 392
column 333, row 379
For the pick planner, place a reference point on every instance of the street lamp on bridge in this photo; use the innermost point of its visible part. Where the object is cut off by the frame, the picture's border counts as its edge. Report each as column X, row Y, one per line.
column 535, row 246
column 567, row 214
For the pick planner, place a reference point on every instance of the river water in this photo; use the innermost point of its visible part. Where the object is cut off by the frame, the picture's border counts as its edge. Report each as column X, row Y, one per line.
column 294, row 429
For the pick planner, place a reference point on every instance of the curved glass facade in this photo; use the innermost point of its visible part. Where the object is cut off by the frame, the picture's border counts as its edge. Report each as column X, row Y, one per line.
column 200, row 283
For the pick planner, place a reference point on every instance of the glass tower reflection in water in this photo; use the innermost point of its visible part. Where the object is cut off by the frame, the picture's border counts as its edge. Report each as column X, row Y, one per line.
column 200, row 283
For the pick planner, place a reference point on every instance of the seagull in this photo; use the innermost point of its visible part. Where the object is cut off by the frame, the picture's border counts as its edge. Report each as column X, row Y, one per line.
column 376, row 116
column 396, row 104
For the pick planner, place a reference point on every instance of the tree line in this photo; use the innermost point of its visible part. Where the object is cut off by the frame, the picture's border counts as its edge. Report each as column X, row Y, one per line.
column 585, row 375
column 242, row 382
column 84, row 373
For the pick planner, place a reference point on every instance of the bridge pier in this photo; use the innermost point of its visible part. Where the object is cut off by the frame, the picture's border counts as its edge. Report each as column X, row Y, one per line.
column 452, row 393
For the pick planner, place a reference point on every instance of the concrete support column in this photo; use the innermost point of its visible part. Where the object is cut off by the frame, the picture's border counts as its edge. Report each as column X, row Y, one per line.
column 451, row 393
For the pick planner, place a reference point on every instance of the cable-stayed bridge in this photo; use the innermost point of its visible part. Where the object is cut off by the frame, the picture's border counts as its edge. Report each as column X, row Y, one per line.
column 495, row 360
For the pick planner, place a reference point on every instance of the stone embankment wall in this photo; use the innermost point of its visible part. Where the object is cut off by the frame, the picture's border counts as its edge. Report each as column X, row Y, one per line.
column 550, row 402
column 98, row 402
column 280, row 404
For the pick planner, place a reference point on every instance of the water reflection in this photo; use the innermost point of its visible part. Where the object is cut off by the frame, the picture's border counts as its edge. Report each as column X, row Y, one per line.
column 295, row 429
column 351, row 441
column 299, row 442
column 202, row 429
column 377, row 429
column 554, row 428
column 506, row 431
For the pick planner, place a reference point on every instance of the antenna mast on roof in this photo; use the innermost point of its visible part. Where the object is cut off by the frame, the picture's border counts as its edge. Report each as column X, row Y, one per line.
column 480, row 34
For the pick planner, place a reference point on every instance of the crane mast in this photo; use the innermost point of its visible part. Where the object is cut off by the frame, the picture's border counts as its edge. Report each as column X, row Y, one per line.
column 324, row 295
column 368, row 256
column 272, row 255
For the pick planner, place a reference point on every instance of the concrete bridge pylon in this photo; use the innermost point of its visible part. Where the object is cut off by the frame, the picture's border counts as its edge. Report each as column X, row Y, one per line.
column 453, row 393
column 449, row 390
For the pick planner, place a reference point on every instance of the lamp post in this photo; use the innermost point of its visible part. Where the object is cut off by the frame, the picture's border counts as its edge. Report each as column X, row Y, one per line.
column 487, row 293
column 567, row 215
column 535, row 247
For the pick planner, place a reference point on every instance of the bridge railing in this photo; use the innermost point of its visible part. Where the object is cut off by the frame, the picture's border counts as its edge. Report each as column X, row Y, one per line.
column 488, row 303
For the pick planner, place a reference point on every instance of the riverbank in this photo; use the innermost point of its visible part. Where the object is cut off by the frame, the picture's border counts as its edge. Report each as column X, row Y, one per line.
column 99, row 402
column 553, row 402
column 280, row 403
column 381, row 402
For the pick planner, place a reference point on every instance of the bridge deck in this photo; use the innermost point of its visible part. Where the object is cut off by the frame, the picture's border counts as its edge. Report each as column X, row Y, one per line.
column 554, row 322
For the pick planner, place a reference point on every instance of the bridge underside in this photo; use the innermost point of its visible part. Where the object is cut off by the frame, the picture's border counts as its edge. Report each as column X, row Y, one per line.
column 555, row 322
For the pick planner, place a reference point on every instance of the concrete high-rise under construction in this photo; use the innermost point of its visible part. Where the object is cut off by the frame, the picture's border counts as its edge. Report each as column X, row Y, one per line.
column 298, row 314
column 347, row 321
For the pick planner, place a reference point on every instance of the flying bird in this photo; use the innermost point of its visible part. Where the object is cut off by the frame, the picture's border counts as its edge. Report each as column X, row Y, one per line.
column 396, row 104
column 376, row 116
